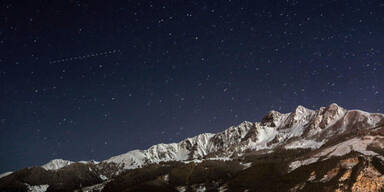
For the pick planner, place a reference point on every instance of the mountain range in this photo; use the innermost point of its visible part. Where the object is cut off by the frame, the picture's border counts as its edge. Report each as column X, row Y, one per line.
column 328, row 149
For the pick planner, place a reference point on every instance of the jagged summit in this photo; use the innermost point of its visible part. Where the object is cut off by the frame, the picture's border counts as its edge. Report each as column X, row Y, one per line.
column 301, row 109
column 271, row 118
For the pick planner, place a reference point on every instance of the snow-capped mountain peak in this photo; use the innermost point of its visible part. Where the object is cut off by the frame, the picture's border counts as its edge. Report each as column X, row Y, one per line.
column 272, row 119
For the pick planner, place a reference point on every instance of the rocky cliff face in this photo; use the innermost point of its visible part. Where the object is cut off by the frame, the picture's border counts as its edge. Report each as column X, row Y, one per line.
column 288, row 144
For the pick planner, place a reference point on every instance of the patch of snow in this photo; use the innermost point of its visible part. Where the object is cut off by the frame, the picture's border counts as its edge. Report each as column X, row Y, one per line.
column 223, row 188
column 296, row 164
column 102, row 177
column 56, row 164
column 5, row 174
column 181, row 188
column 380, row 157
column 246, row 165
column 264, row 136
column 89, row 162
column 37, row 188
column 166, row 178
column 208, row 159
column 94, row 188
column 326, row 178
column 304, row 144
column 355, row 144
column 193, row 161
column 220, row 159
column 201, row 188
column 312, row 177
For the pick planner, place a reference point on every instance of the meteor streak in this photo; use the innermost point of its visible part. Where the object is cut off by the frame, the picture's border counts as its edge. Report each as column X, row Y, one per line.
column 81, row 57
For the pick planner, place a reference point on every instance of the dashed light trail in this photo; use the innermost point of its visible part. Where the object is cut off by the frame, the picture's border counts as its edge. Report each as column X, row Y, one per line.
column 81, row 57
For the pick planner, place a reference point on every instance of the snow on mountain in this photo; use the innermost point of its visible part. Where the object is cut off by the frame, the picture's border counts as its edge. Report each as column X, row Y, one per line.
column 195, row 147
column 60, row 163
column 304, row 144
column 56, row 164
column 37, row 188
column 302, row 128
column 331, row 134
column 91, row 161
column 94, row 188
column 356, row 144
column 5, row 174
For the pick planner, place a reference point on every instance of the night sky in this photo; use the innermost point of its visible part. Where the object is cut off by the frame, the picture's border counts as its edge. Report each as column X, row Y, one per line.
column 83, row 80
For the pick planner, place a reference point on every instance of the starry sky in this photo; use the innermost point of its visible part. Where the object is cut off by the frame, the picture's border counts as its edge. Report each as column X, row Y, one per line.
column 83, row 80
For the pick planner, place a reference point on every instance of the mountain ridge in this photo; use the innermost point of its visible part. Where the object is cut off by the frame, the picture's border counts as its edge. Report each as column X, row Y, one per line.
column 183, row 150
column 312, row 137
